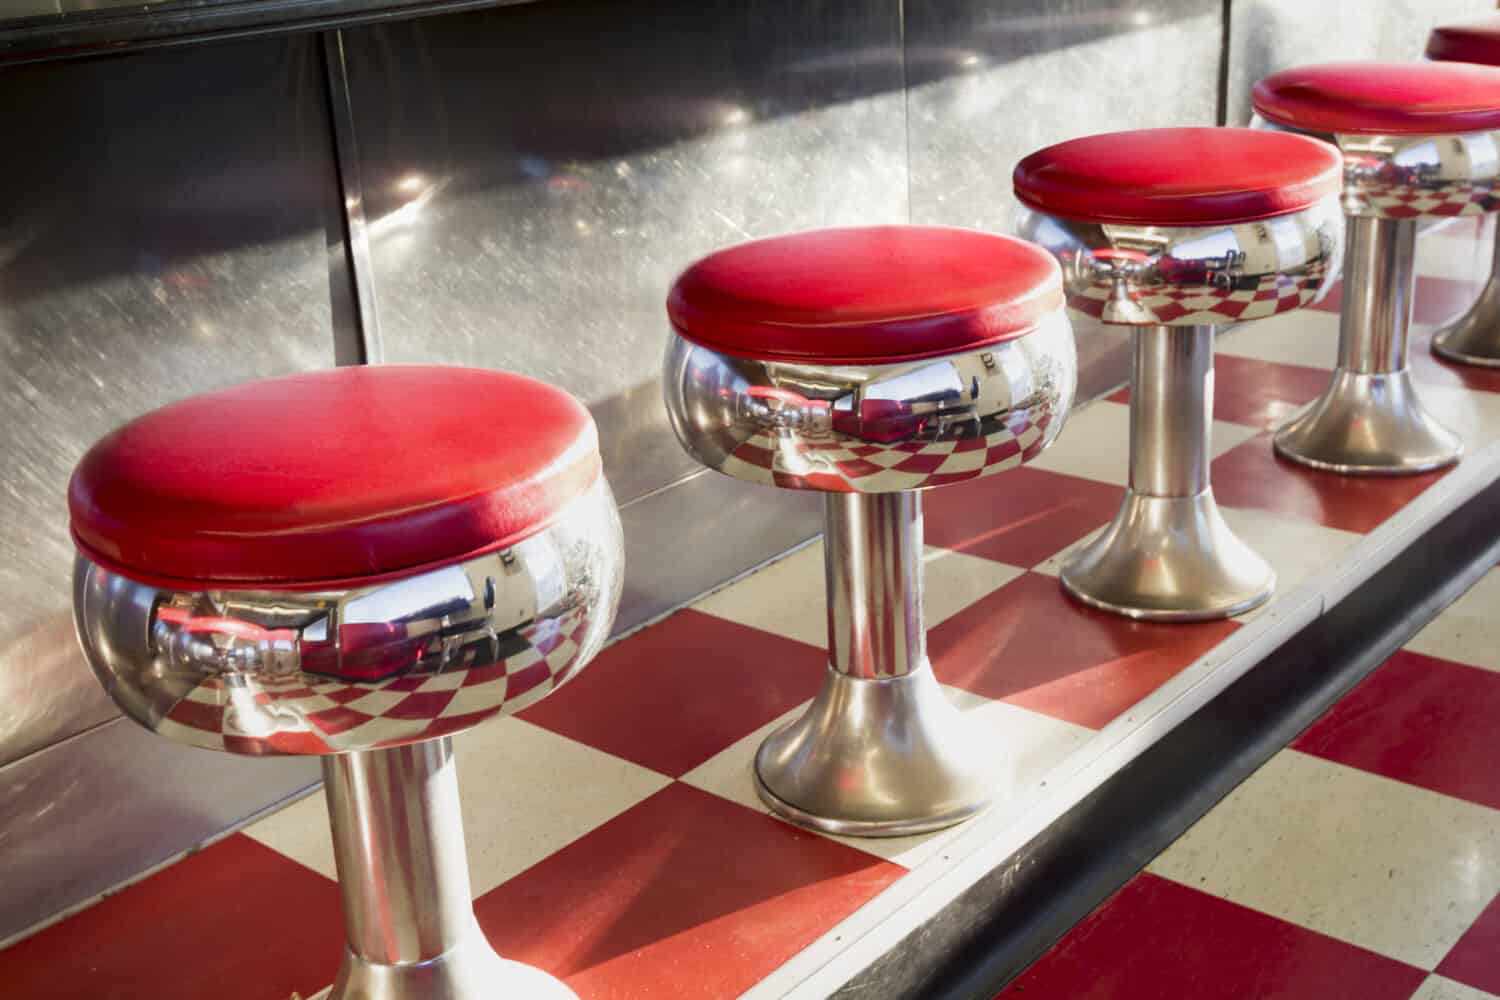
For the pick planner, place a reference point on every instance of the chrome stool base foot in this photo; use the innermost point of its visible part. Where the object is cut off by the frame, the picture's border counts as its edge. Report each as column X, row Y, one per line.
column 470, row 971
column 1473, row 338
column 880, row 757
column 1369, row 425
column 1169, row 559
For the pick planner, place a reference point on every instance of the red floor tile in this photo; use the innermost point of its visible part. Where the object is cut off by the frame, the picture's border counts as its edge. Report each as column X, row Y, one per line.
column 685, row 896
column 1022, row 517
column 235, row 921
column 1420, row 720
column 1157, row 940
column 1252, row 475
column 1030, row 645
column 673, row 695
column 1257, row 393
column 1475, row 960
column 1437, row 299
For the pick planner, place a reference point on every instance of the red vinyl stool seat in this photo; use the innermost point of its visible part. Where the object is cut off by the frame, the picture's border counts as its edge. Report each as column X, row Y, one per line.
column 1420, row 141
column 356, row 564
column 1174, row 232
column 870, row 364
column 1476, row 41
column 1473, row 338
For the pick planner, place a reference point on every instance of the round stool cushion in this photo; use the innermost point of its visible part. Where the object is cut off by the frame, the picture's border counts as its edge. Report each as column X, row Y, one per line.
column 1471, row 42
column 331, row 477
column 1179, row 176
column 1373, row 98
column 869, row 295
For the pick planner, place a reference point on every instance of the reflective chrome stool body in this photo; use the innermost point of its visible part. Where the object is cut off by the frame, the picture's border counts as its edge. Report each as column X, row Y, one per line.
column 1418, row 143
column 1176, row 232
column 1473, row 338
column 358, row 564
column 871, row 364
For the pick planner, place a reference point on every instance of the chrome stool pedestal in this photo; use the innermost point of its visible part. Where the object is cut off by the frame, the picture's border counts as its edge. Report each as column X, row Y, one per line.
column 1474, row 337
column 1369, row 421
column 1174, row 252
column 1419, row 141
column 918, row 768
column 871, row 364
column 1168, row 555
column 398, row 842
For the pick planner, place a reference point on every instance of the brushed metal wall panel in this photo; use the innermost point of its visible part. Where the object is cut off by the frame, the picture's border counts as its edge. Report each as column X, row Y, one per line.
column 82, row 816
column 1269, row 35
column 166, row 229
column 994, row 80
column 535, row 176
column 669, row 532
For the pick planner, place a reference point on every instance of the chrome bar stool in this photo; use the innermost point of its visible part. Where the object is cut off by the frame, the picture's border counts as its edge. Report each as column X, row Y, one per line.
column 355, row 563
column 1177, row 232
column 1473, row 338
column 871, row 364
column 1419, row 143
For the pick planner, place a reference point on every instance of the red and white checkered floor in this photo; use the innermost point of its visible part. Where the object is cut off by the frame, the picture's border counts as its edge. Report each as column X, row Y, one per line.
column 1363, row 861
column 616, row 840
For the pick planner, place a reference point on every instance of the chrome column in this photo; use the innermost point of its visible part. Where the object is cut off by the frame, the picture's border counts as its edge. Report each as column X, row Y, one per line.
column 881, row 751
column 1168, row 555
column 1369, row 420
column 1474, row 338
column 872, row 558
column 399, row 845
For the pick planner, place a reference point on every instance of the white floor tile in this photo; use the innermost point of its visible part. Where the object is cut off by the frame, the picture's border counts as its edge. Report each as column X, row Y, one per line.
column 1308, row 337
column 1474, row 415
column 1095, row 443
column 1438, row 988
column 1469, row 630
column 789, row 599
column 1462, row 254
column 527, row 792
column 1026, row 746
column 1371, row 861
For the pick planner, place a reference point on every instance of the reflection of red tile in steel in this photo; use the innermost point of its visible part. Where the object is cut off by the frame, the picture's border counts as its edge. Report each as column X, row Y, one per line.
column 683, row 895
column 1163, row 941
column 710, row 682
column 1257, row 393
column 1021, row 517
column 235, row 921
column 1252, row 475
column 1472, row 960
column 1028, row 644
column 1420, row 720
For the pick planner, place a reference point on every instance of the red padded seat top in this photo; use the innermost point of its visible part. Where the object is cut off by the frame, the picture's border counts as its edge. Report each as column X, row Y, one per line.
column 1375, row 98
column 331, row 478
column 868, row 295
column 1179, row 176
column 1472, row 42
